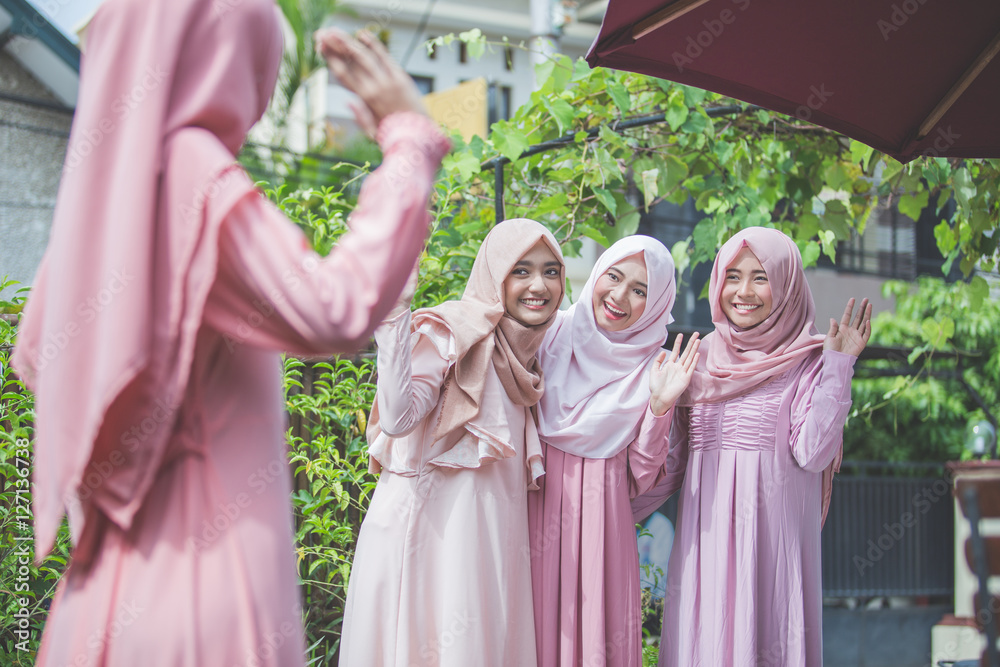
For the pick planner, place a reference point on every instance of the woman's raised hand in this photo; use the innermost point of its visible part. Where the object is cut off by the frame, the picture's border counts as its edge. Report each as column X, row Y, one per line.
column 364, row 67
column 851, row 334
column 670, row 376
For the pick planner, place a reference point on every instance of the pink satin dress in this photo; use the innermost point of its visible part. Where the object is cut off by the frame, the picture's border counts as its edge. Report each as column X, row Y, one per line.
column 584, row 555
column 744, row 586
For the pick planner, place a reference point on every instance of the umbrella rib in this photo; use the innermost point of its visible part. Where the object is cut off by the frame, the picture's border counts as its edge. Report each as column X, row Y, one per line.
column 664, row 16
column 977, row 66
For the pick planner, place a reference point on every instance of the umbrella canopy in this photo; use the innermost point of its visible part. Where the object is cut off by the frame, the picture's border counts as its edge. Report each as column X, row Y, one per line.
column 907, row 77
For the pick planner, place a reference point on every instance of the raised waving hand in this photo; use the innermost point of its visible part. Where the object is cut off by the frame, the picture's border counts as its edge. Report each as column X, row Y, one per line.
column 364, row 67
column 851, row 334
column 670, row 376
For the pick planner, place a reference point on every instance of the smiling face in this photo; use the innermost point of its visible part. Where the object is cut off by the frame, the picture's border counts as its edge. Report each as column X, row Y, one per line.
column 620, row 294
column 533, row 288
column 746, row 294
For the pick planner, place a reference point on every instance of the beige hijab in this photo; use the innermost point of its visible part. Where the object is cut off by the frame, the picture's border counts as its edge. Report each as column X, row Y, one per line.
column 484, row 334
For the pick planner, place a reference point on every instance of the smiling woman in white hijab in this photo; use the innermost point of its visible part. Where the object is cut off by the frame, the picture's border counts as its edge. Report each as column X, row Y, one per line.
column 603, row 421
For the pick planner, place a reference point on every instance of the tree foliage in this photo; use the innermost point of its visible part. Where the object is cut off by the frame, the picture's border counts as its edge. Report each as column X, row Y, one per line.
column 27, row 587
column 749, row 167
column 951, row 372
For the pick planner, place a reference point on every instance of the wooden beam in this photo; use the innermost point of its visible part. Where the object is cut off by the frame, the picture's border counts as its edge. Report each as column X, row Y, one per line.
column 956, row 91
column 664, row 16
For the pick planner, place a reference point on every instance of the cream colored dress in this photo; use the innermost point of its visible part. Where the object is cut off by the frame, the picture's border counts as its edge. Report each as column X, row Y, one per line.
column 442, row 570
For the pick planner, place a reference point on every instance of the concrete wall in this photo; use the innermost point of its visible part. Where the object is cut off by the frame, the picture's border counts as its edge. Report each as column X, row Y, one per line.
column 32, row 149
column 831, row 289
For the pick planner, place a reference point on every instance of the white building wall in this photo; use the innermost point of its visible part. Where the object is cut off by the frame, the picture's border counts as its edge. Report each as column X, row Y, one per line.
column 400, row 19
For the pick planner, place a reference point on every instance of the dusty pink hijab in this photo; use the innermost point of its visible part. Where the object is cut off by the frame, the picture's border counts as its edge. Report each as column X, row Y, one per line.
column 598, row 385
column 736, row 361
column 168, row 91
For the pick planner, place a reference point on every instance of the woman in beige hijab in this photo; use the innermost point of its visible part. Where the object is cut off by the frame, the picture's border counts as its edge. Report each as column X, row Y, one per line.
column 442, row 572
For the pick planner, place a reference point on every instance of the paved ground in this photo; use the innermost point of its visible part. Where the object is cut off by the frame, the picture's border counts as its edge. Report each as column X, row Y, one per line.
column 879, row 637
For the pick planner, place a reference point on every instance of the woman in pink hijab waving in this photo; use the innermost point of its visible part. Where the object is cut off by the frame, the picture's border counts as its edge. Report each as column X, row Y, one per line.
column 152, row 336
column 753, row 446
column 603, row 421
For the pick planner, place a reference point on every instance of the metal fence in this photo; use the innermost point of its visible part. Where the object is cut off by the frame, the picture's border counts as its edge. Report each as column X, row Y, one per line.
column 890, row 532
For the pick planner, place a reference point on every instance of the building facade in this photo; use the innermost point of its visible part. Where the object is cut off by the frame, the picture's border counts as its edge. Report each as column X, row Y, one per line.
column 39, row 78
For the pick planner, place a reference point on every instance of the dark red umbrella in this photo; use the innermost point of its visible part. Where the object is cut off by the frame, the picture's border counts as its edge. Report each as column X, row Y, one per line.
column 907, row 77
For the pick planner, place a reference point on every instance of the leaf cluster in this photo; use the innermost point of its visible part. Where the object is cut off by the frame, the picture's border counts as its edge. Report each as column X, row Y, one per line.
column 26, row 587
column 950, row 354
column 740, row 165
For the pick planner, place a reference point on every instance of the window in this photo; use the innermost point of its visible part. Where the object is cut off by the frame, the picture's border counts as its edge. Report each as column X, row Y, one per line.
column 895, row 246
column 432, row 49
column 463, row 53
column 671, row 223
column 425, row 84
column 498, row 103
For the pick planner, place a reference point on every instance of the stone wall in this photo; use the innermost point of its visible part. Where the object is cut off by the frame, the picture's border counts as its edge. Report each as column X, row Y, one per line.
column 32, row 149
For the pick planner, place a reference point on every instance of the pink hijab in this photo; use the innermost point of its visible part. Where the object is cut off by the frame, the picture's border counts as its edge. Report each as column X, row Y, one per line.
column 597, row 381
column 736, row 361
column 169, row 90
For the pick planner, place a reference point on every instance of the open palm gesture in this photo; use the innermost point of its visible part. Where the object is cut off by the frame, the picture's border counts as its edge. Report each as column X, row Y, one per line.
column 670, row 376
column 364, row 67
column 851, row 334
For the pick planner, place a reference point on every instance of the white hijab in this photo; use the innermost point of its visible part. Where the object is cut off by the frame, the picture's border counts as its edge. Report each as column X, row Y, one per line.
column 596, row 385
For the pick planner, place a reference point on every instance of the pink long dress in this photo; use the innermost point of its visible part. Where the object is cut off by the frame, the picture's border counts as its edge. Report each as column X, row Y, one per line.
column 441, row 574
column 584, row 556
column 206, row 575
column 744, row 586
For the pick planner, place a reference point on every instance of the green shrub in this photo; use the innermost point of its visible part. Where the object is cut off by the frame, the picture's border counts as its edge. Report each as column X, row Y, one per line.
column 26, row 588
